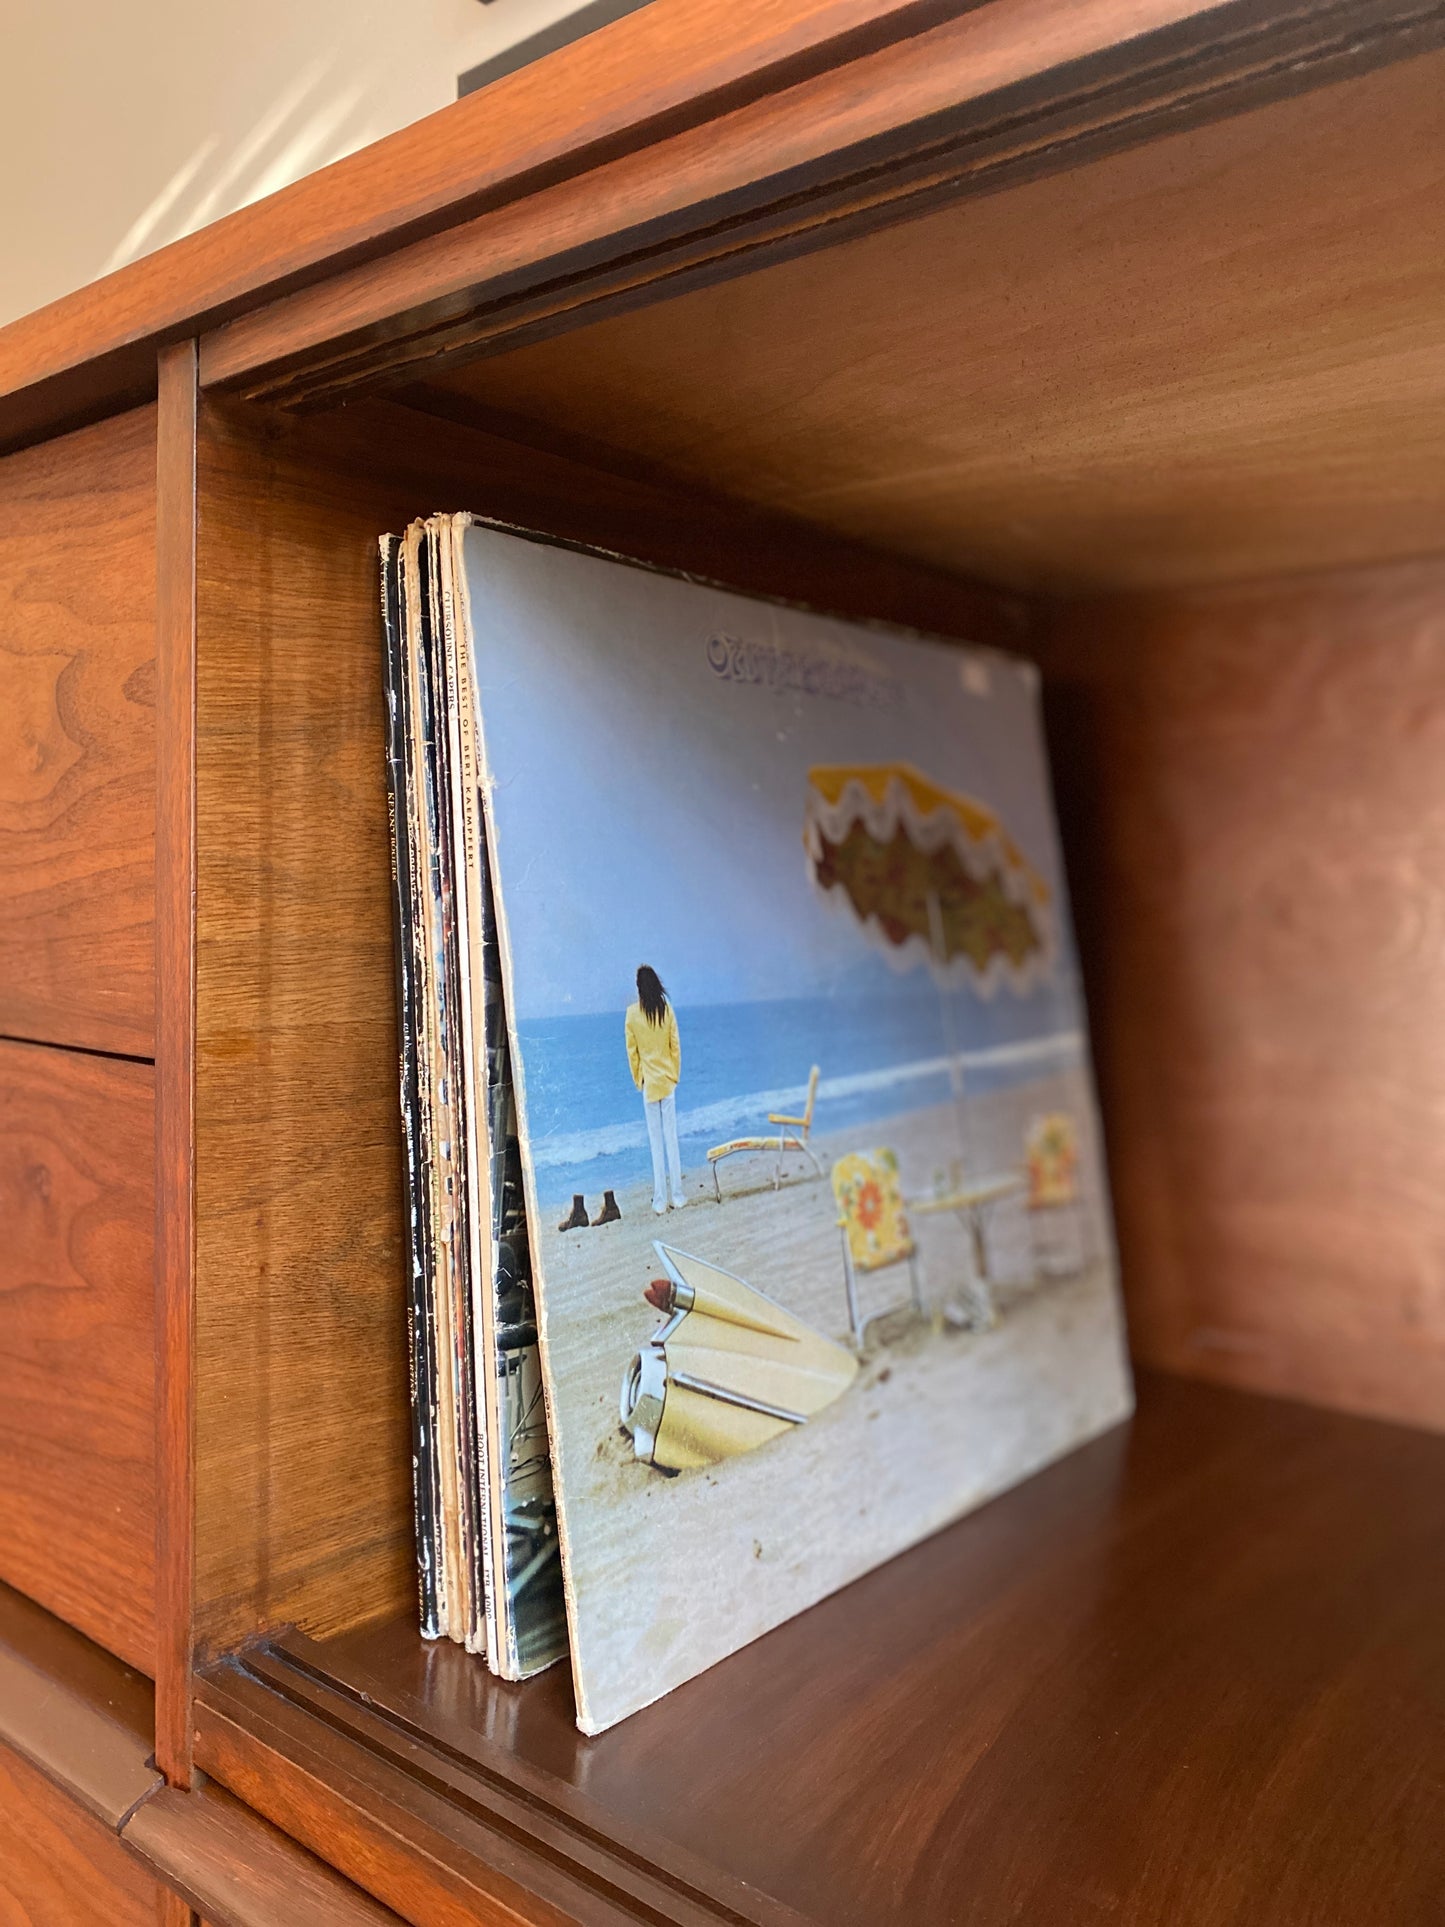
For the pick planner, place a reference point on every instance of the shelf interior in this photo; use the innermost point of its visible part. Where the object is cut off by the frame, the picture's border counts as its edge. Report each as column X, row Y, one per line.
column 1248, row 788
column 1189, row 1630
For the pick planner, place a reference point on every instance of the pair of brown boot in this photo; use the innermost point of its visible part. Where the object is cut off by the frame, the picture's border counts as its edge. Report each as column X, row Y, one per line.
column 577, row 1219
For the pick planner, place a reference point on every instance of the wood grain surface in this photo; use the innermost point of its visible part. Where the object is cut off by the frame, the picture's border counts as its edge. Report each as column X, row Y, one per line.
column 440, row 447
column 58, row 1866
column 76, row 1765
column 988, row 96
column 77, row 1422
column 1190, row 1674
column 77, row 737
column 175, row 1243
column 1217, row 356
column 302, row 1433
column 217, row 1856
column 1249, row 785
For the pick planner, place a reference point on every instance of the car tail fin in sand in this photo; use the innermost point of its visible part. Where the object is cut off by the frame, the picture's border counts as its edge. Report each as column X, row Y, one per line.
column 726, row 1371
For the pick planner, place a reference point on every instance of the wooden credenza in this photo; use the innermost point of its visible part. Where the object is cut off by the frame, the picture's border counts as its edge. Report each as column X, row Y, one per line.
column 1109, row 333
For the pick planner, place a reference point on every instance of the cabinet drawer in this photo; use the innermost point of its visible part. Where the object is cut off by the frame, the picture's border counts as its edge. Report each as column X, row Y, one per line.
column 59, row 1867
column 77, row 738
column 77, row 1375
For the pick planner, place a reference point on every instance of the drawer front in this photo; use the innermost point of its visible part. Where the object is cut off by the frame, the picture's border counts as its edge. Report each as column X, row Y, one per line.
column 59, row 1867
column 77, row 738
column 77, row 1320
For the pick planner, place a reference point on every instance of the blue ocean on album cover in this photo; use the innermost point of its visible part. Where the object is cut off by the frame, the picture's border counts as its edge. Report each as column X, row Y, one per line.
column 878, row 1056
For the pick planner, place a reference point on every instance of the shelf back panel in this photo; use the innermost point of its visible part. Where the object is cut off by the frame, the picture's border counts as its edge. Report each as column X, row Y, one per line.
column 1249, row 786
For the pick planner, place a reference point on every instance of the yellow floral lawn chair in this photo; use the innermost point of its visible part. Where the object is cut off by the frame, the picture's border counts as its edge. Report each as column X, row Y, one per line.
column 874, row 1224
column 1051, row 1160
column 795, row 1138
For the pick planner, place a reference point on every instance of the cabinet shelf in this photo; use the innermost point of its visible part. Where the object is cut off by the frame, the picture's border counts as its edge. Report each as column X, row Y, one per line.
column 1192, row 1672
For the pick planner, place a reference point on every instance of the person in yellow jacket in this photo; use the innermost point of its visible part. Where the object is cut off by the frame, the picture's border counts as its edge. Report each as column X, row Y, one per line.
column 654, row 1051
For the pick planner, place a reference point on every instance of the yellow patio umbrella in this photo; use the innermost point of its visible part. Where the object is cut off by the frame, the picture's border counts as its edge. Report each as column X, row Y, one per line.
column 932, row 876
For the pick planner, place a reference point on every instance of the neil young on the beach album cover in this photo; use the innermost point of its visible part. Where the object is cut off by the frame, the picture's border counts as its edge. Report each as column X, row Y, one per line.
column 819, row 1236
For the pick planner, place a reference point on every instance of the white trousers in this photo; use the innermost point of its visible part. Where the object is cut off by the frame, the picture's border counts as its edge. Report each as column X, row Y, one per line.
column 662, row 1130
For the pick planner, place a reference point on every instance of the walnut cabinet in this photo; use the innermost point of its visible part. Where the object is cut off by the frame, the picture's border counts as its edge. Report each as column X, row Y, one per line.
column 1111, row 332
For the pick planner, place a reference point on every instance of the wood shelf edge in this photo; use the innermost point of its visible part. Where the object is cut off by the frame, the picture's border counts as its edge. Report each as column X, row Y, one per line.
column 420, row 1833
column 177, row 524
column 75, row 1713
column 569, row 120
column 238, row 1871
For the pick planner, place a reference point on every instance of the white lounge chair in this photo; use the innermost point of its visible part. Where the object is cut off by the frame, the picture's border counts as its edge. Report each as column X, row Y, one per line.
column 794, row 1138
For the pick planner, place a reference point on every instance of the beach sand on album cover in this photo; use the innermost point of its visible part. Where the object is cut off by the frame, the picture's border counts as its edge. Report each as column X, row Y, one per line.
column 681, row 1571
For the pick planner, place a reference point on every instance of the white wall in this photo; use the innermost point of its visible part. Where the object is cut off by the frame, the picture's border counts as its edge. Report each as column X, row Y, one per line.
column 125, row 123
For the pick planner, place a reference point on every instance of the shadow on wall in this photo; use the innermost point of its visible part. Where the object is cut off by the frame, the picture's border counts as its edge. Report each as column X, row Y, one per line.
column 310, row 125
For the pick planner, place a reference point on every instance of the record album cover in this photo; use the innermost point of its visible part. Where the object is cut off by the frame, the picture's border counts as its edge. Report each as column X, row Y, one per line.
column 819, row 1230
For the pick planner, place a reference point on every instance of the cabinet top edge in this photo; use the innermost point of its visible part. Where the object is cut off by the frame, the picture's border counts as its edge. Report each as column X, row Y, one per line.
column 630, row 86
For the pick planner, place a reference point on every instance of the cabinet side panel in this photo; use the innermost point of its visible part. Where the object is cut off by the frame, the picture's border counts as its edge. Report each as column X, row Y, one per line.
column 77, row 738
column 1250, row 784
column 302, row 1432
column 77, row 1336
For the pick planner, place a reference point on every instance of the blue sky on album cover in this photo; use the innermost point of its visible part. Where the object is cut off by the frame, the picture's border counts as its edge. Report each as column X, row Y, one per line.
column 649, row 806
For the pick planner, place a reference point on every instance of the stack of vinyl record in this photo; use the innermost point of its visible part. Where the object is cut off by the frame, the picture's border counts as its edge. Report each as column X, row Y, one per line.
column 756, row 1206
column 487, row 1551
